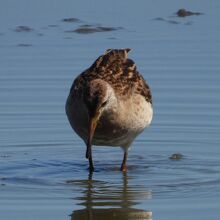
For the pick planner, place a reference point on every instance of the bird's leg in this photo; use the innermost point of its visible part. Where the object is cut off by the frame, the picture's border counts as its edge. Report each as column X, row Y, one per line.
column 88, row 152
column 91, row 167
column 89, row 156
column 123, row 165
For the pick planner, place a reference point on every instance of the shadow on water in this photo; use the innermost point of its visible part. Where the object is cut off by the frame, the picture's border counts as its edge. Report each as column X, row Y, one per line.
column 116, row 201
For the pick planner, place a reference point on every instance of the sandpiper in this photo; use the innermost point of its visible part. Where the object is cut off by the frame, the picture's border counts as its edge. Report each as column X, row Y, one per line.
column 110, row 103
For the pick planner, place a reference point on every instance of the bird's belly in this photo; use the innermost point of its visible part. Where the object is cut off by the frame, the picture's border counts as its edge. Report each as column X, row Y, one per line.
column 112, row 135
column 114, row 129
column 114, row 141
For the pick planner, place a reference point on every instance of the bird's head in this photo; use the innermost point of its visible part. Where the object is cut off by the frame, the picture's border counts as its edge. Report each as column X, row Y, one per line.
column 97, row 97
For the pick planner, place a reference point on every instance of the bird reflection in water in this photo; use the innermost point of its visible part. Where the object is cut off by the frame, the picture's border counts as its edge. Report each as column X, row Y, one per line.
column 110, row 201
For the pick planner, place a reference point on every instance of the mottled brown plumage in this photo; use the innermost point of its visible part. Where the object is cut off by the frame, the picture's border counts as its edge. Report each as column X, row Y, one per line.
column 110, row 103
column 119, row 71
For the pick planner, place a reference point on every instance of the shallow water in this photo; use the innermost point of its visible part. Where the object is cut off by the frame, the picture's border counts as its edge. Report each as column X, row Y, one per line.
column 43, row 172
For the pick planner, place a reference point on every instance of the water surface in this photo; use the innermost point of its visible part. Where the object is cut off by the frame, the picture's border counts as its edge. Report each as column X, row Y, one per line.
column 43, row 172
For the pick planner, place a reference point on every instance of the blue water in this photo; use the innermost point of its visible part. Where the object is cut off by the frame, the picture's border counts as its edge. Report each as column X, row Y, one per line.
column 43, row 172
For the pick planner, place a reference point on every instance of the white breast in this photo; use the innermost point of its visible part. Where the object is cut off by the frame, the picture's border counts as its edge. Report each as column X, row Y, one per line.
column 136, row 113
column 129, row 118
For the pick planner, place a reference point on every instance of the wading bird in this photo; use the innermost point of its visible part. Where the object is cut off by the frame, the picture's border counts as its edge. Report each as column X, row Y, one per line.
column 109, row 103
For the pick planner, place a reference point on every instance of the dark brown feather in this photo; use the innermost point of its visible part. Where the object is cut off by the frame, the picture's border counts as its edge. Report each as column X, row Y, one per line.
column 120, row 72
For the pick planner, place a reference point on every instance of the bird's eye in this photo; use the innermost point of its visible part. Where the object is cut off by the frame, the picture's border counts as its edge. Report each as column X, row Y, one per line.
column 104, row 104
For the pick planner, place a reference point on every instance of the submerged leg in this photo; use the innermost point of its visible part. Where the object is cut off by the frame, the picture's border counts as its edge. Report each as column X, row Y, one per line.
column 123, row 165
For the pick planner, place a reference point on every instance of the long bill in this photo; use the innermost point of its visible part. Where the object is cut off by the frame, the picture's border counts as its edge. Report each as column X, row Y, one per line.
column 92, row 127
